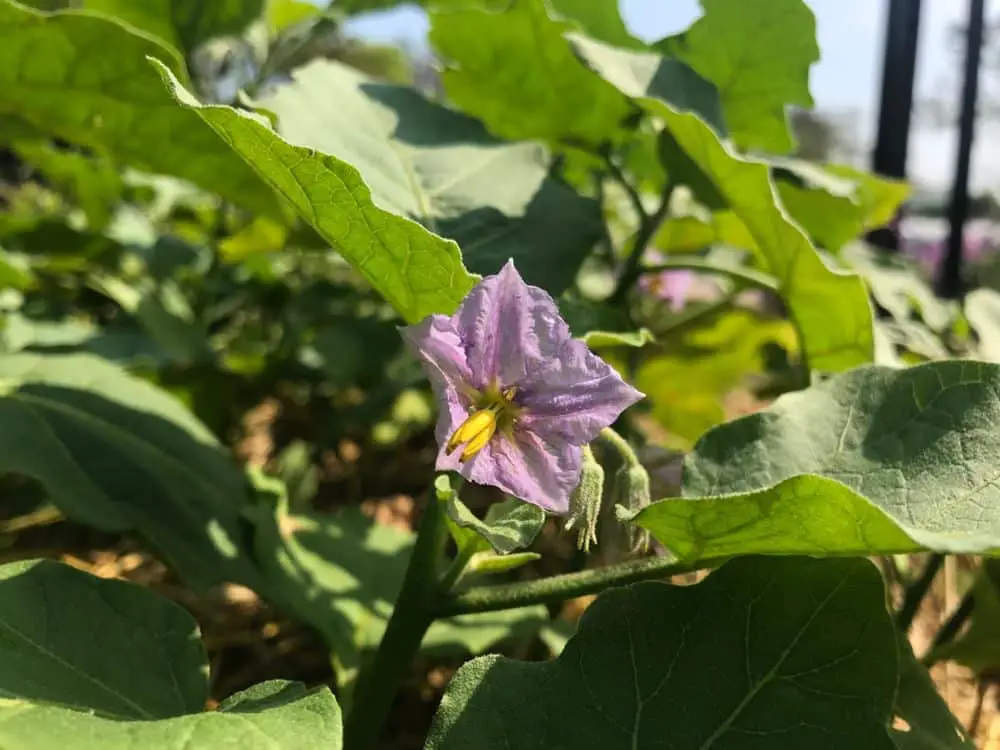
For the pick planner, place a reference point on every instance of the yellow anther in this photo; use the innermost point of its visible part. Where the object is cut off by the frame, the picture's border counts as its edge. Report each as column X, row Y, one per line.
column 475, row 431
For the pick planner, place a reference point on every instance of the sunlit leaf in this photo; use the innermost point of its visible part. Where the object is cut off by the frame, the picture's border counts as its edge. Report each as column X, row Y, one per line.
column 509, row 525
column 443, row 170
column 183, row 24
column 418, row 272
column 830, row 308
column 873, row 461
column 758, row 53
column 96, row 89
column 275, row 715
column 764, row 653
column 521, row 77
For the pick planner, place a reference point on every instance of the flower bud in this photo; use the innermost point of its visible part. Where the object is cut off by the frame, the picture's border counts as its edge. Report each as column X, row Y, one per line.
column 631, row 490
column 585, row 502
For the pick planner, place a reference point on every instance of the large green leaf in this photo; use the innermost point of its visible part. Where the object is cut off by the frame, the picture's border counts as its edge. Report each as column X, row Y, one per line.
column 513, row 69
column 830, row 308
column 342, row 574
column 115, row 452
column 763, row 654
column 443, row 170
column 183, row 24
column 601, row 20
column 60, row 631
column 873, row 461
column 91, row 663
column 758, row 53
column 93, row 87
column 271, row 716
column 417, row 271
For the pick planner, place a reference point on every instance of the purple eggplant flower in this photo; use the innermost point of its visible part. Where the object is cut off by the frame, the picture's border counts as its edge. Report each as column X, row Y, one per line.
column 519, row 396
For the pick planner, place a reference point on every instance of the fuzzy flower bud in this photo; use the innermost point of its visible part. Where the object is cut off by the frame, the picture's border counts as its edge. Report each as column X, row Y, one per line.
column 585, row 501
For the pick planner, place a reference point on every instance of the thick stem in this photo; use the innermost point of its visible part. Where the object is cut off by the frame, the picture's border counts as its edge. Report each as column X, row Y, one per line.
column 648, row 227
column 567, row 586
column 916, row 592
column 411, row 617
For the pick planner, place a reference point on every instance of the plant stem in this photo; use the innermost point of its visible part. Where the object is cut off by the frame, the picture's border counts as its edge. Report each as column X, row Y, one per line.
column 947, row 632
column 747, row 275
column 916, row 592
column 648, row 226
column 412, row 615
column 567, row 586
column 620, row 446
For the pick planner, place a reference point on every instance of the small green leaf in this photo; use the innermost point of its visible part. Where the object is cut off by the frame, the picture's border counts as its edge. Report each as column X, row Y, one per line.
column 275, row 715
column 183, row 24
column 490, row 563
column 830, row 308
column 418, row 272
column 100, row 92
column 509, row 525
column 65, row 636
column 443, row 170
column 758, row 53
column 521, row 77
column 764, row 653
column 114, row 452
column 874, row 461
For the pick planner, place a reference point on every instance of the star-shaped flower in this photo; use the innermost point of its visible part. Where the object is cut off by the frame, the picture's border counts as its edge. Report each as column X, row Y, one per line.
column 519, row 396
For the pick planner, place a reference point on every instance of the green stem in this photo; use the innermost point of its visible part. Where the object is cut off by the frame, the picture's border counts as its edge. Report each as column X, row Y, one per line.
column 916, row 592
column 739, row 273
column 648, row 227
column 620, row 446
column 567, row 586
column 412, row 616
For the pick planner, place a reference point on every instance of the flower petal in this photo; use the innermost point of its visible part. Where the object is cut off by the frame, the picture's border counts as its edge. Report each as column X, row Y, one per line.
column 575, row 397
column 436, row 342
column 509, row 329
column 528, row 469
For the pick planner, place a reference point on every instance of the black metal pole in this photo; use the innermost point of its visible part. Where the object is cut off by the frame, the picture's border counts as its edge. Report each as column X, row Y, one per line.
column 950, row 282
column 896, row 105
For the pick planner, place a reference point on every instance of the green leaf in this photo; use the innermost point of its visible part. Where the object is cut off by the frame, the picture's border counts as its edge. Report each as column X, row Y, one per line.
column 418, row 272
column 982, row 309
column 93, row 183
column 274, row 715
column 342, row 574
column 687, row 382
column 284, row 13
column 443, row 170
column 880, row 196
column 509, row 525
column 830, row 308
column 873, row 461
column 116, row 453
column 65, row 633
column 183, row 24
column 827, row 207
column 764, row 653
column 602, row 326
column 931, row 725
column 490, row 563
column 14, row 272
column 601, row 20
column 521, row 77
column 99, row 91
column 758, row 53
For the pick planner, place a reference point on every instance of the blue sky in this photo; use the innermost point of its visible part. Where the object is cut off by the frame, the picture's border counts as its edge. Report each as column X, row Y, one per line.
column 845, row 82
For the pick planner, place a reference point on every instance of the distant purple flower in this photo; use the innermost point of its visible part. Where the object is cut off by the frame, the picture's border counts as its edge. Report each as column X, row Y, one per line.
column 516, row 390
column 669, row 286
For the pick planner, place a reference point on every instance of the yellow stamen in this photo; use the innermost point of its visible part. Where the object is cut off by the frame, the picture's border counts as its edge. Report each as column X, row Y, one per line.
column 476, row 431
